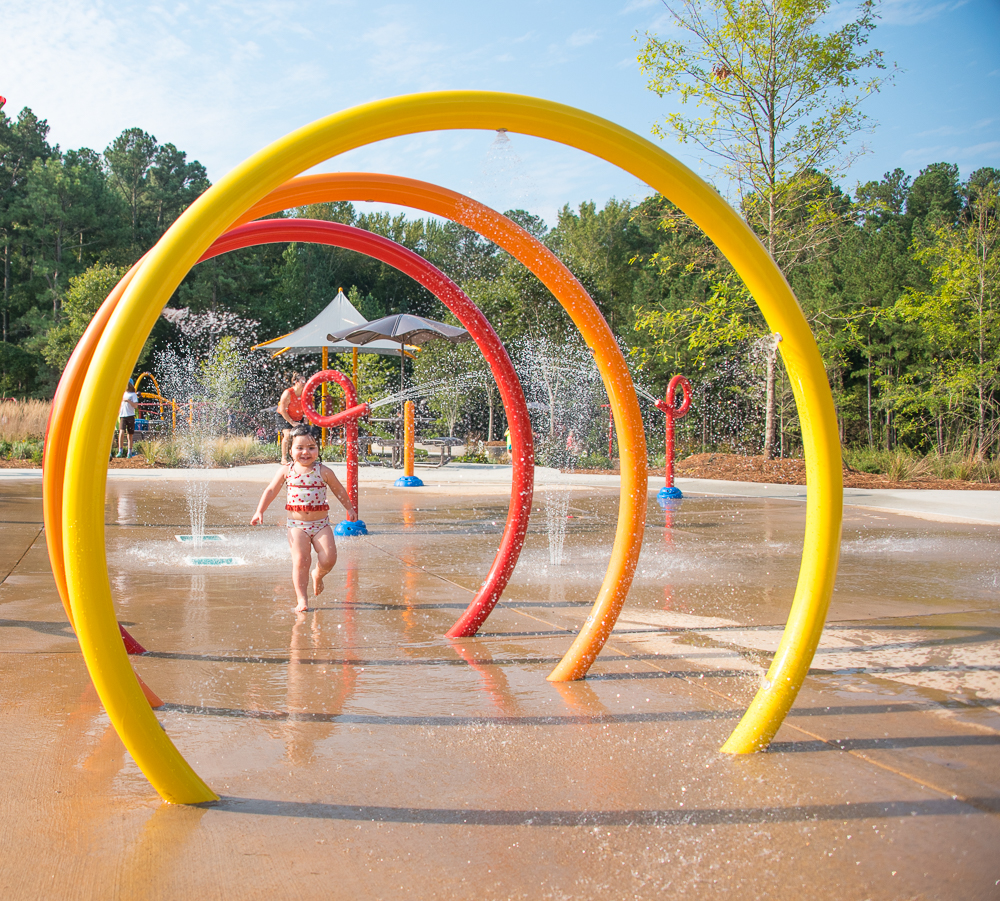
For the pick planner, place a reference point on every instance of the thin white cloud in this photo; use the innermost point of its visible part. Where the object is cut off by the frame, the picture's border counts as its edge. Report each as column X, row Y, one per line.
column 638, row 4
column 916, row 12
column 945, row 131
column 582, row 38
column 955, row 153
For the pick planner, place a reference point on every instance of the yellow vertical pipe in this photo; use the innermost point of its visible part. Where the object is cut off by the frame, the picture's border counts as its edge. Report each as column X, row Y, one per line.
column 409, row 438
column 322, row 393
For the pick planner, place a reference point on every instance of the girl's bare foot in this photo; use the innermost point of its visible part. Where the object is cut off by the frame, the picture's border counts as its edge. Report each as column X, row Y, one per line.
column 317, row 582
column 301, row 607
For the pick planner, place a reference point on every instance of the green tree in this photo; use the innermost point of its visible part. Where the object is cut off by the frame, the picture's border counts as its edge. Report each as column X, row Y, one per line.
column 960, row 317
column 84, row 297
column 780, row 98
column 173, row 185
column 65, row 202
column 21, row 143
column 598, row 247
column 128, row 159
column 449, row 375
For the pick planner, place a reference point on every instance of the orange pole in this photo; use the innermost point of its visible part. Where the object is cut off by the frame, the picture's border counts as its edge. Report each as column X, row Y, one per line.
column 409, row 438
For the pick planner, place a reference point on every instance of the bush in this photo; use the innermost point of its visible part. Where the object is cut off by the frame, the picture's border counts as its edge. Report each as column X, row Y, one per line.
column 150, row 449
column 28, row 449
column 472, row 458
column 597, row 461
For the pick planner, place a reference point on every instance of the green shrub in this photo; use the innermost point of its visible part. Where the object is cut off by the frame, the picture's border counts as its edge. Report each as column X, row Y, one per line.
column 28, row 449
column 150, row 449
column 598, row 461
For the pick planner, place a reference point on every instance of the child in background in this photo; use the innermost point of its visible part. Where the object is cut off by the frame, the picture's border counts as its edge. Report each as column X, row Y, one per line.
column 306, row 479
column 126, row 418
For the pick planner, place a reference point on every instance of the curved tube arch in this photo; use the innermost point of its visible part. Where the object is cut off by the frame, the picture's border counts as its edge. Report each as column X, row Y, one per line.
column 595, row 331
column 168, row 262
column 270, row 231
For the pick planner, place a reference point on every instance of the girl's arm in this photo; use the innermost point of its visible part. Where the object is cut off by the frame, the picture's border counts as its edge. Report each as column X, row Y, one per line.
column 270, row 493
column 340, row 491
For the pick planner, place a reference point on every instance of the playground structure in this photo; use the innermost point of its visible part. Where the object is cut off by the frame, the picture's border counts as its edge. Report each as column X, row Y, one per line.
column 76, row 475
column 191, row 410
column 151, row 399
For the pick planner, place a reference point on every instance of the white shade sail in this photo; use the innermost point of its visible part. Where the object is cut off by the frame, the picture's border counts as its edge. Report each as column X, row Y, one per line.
column 338, row 315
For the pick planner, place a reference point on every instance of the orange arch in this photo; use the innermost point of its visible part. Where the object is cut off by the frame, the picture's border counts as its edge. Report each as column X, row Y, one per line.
column 587, row 318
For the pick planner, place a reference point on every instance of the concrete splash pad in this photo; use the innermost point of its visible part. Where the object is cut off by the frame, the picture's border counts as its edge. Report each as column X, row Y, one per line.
column 360, row 754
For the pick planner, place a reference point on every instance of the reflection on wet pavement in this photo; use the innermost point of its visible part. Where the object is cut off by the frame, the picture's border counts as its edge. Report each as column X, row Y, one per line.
column 360, row 753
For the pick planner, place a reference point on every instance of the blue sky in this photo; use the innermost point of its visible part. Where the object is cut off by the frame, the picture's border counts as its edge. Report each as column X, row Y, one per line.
column 222, row 79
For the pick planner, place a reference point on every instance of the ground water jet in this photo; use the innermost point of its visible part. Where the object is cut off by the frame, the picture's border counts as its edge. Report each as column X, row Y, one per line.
column 556, row 500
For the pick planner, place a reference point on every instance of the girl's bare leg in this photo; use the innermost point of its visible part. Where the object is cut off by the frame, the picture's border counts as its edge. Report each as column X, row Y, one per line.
column 301, row 548
column 326, row 557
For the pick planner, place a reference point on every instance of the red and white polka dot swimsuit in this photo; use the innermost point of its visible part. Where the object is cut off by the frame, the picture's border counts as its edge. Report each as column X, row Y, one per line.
column 306, row 492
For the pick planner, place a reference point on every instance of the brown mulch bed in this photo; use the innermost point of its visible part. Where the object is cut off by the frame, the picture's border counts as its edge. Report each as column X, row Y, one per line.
column 128, row 463
column 737, row 468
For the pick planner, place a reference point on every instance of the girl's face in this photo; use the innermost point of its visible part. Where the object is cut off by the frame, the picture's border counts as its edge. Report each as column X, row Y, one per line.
column 305, row 450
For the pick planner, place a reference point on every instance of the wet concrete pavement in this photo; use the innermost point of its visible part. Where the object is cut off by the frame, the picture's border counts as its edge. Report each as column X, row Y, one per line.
column 359, row 754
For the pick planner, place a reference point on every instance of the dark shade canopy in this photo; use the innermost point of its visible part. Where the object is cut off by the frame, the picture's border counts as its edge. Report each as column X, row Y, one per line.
column 404, row 328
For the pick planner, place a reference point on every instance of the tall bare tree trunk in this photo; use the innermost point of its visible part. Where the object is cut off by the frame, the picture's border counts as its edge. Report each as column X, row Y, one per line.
column 6, row 287
column 771, row 402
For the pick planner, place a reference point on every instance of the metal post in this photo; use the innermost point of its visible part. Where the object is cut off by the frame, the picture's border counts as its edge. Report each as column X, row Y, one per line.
column 322, row 394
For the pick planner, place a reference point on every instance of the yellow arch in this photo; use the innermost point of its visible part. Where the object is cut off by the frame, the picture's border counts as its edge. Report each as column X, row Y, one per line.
column 191, row 235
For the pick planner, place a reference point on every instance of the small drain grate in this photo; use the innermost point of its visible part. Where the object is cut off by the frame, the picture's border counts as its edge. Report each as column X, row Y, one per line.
column 214, row 561
column 192, row 538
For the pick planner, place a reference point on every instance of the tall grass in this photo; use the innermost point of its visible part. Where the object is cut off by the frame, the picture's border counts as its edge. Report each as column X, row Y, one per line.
column 903, row 465
column 23, row 420
column 235, row 450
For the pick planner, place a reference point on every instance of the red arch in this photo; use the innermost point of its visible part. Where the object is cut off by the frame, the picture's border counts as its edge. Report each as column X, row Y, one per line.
column 334, row 234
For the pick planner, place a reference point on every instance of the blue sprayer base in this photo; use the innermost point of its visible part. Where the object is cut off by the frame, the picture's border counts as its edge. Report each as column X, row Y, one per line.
column 350, row 529
column 669, row 493
column 408, row 482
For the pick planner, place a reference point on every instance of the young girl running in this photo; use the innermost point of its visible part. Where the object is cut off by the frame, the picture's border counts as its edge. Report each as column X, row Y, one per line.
column 308, row 520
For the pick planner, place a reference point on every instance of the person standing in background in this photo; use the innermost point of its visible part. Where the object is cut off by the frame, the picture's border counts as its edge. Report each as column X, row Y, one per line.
column 126, row 418
column 290, row 414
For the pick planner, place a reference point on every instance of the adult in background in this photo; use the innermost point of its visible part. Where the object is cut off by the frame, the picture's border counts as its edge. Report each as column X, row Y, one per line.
column 290, row 413
column 126, row 418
